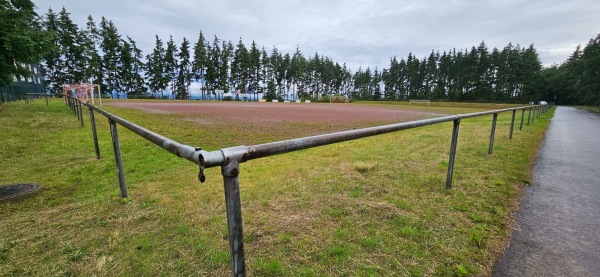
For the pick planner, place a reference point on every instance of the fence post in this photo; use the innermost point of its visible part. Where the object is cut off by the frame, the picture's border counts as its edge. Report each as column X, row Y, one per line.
column 512, row 124
column 117, row 149
column 522, row 118
column 491, row 148
column 94, row 134
column 46, row 99
column 452, row 153
column 80, row 112
column 234, row 218
column 529, row 116
column 230, row 171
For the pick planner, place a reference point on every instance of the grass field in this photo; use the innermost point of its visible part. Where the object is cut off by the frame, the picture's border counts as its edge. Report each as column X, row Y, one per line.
column 589, row 108
column 374, row 206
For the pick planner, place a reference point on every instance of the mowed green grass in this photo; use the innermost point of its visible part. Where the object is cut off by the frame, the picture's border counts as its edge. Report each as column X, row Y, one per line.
column 369, row 207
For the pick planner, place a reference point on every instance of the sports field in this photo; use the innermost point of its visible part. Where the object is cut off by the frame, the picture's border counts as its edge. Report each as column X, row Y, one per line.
column 374, row 206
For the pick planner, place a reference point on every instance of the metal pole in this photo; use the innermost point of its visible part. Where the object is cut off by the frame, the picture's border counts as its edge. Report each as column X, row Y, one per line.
column 117, row 149
column 491, row 148
column 512, row 124
column 233, row 201
column 76, row 107
column 528, row 116
column 46, row 99
column 80, row 112
column 94, row 134
column 522, row 118
column 452, row 153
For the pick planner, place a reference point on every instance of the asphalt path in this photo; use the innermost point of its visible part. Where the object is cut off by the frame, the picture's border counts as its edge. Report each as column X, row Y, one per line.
column 557, row 228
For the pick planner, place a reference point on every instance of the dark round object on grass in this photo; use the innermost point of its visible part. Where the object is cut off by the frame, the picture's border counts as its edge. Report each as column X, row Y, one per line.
column 14, row 192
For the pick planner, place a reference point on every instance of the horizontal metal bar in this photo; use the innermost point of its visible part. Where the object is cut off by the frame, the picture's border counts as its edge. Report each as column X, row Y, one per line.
column 469, row 115
column 181, row 150
column 216, row 158
column 279, row 147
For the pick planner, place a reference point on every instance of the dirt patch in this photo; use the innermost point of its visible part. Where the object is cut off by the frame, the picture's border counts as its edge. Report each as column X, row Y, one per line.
column 252, row 112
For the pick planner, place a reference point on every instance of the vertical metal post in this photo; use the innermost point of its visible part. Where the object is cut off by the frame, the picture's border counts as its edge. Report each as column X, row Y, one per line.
column 528, row 116
column 512, row 124
column 80, row 112
column 46, row 99
column 94, row 134
column 76, row 106
column 117, row 149
column 233, row 204
column 522, row 118
column 452, row 153
column 491, row 147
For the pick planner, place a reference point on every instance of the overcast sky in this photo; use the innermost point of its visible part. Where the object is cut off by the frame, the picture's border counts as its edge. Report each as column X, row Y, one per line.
column 357, row 32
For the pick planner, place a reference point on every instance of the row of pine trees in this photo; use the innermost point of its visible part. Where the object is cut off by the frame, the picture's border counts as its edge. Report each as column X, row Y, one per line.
column 97, row 53
column 577, row 80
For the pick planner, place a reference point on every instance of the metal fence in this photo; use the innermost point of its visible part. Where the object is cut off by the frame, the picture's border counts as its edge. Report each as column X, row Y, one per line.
column 18, row 91
column 229, row 159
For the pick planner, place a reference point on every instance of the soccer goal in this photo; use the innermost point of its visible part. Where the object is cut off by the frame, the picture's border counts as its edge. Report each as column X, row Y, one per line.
column 419, row 101
column 83, row 92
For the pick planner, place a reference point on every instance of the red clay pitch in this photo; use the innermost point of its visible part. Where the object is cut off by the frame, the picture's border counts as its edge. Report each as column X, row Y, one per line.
column 281, row 112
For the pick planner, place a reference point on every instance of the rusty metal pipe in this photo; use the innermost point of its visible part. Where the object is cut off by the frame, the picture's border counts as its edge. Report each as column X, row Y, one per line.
column 181, row 150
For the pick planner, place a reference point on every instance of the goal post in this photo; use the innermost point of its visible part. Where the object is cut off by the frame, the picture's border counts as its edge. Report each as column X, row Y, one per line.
column 419, row 101
column 83, row 92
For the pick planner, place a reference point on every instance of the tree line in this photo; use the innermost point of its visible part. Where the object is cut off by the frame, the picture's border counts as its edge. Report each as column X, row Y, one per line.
column 97, row 53
column 577, row 80
column 101, row 55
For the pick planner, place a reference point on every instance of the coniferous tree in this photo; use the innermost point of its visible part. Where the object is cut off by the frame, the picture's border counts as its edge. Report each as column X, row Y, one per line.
column 171, row 64
column 298, row 73
column 111, row 62
column 240, row 67
column 254, row 68
column 52, row 58
column 125, row 67
column 264, row 69
column 155, row 68
column 212, row 66
column 130, row 69
column 224, row 65
column 93, row 72
column 184, row 73
column 72, row 48
column 200, row 62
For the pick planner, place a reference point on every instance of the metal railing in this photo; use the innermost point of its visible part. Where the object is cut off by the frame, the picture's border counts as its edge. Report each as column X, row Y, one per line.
column 229, row 159
column 29, row 97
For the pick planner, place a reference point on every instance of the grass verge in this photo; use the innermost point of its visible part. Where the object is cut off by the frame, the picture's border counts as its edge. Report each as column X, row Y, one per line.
column 373, row 206
column 589, row 108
